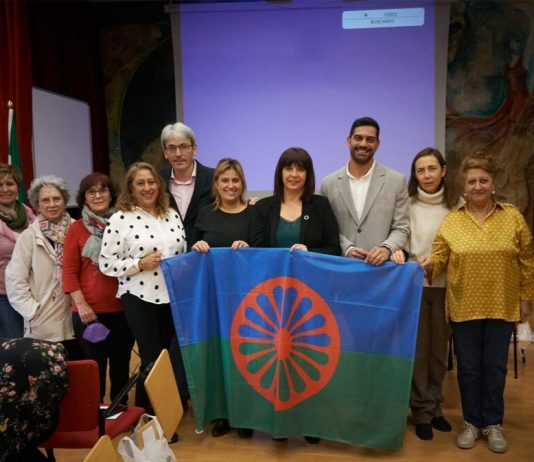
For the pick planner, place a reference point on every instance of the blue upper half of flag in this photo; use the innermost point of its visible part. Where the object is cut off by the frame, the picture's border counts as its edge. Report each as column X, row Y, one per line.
column 376, row 307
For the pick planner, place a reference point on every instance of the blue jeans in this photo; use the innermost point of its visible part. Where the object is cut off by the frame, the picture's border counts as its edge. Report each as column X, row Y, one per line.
column 11, row 323
column 482, row 352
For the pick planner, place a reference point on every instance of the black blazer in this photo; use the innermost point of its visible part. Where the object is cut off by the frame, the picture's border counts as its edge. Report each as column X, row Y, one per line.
column 318, row 225
column 201, row 196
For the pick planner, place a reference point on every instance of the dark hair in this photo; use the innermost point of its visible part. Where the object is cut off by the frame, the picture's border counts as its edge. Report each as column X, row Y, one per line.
column 223, row 166
column 365, row 122
column 94, row 179
column 413, row 183
column 302, row 158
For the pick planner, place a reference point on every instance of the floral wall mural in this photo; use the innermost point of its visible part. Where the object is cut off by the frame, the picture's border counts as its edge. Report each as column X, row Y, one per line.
column 490, row 100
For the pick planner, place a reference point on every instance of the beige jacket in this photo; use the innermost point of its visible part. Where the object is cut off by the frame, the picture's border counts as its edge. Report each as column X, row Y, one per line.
column 385, row 219
column 33, row 291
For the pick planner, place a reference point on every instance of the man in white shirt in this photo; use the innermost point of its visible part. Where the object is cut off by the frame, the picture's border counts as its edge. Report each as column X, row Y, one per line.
column 370, row 201
column 187, row 180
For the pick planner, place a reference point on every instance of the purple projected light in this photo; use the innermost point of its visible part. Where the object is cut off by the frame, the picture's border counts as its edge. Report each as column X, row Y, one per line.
column 259, row 78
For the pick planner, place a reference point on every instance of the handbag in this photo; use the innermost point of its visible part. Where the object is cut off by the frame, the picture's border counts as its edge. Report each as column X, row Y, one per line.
column 148, row 443
column 524, row 334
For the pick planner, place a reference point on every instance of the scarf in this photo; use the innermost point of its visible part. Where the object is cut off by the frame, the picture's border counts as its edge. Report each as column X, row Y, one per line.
column 56, row 232
column 14, row 218
column 13, row 221
column 95, row 224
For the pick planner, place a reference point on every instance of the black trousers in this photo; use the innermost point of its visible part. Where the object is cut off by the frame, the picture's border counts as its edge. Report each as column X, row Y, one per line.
column 153, row 329
column 115, row 350
column 481, row 348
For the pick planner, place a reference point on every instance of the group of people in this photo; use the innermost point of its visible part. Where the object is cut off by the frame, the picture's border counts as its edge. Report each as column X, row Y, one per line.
column 477, row 253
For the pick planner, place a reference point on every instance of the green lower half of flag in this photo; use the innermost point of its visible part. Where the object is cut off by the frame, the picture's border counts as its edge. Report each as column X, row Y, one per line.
column 364, row 403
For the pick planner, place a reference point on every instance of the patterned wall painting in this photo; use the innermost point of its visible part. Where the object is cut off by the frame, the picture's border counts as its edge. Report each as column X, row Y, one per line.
column 490, row 99
column 139, row 83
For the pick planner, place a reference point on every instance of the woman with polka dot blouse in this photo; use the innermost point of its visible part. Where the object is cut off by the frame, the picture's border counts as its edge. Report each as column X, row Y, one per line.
column 487, row 249
column 142, row 232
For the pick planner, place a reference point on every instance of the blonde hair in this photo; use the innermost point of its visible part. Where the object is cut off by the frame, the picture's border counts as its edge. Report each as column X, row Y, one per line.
column 223, row 166
column 126, row 201
column 481, row 161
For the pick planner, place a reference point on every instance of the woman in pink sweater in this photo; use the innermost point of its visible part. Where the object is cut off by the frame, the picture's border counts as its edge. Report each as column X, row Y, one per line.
column 14, row 218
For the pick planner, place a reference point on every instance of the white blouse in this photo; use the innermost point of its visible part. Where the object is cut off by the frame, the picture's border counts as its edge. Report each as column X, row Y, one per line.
column 128, row 237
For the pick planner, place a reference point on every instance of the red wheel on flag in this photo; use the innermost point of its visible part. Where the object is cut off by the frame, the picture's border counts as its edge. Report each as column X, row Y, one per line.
column 285, row 341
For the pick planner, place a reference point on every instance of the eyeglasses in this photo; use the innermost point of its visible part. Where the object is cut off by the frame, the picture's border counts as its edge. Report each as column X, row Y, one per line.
column 94, row 192
column 182, row 148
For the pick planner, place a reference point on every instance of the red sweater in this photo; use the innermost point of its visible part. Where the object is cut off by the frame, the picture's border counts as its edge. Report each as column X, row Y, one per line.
column 79, row 273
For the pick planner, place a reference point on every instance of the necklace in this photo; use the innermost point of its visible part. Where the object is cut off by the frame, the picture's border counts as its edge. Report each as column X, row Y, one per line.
column 233, row 209
column 480, row 214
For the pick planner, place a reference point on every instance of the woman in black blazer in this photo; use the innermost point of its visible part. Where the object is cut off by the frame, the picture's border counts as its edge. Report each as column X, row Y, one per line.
column 294, row 216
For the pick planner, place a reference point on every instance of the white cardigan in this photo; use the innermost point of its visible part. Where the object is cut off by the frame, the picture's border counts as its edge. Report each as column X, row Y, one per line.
column 33, row 291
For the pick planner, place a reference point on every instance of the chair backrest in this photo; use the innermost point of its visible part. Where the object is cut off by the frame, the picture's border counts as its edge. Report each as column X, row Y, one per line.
column 79, row 410
column 80, row 422
column 162, row 391
column 103, row 451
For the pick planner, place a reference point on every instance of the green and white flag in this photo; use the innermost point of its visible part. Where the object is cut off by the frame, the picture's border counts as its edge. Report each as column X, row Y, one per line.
column 14, row 151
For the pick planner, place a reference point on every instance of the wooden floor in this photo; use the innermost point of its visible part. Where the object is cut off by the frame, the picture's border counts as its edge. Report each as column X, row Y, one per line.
column 519, row 426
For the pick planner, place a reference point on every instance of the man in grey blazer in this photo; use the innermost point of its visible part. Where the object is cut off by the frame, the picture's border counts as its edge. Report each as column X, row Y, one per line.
column 370, row 201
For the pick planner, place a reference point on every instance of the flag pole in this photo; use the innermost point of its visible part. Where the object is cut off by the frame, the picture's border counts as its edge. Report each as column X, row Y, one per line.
column 10, row 108
column 13, row 157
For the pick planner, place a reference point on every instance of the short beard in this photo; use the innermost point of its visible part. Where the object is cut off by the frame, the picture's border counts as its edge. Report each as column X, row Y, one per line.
column 359, row 160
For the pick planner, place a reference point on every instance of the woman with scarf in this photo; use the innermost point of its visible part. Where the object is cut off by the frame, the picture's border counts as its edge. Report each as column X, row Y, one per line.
column 14, row 218
column 33, row 276
column 93, row 293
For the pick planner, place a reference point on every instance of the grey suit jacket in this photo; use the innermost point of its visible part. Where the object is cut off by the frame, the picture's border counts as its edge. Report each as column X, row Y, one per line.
column 385, row 219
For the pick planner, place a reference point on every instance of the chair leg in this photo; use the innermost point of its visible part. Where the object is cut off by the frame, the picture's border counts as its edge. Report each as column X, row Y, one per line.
column 514, row 336
column 450, row 362
column 50, row 455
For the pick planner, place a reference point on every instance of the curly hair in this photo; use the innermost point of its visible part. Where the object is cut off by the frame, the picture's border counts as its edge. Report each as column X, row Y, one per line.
column 47, row 180
column 126, row 201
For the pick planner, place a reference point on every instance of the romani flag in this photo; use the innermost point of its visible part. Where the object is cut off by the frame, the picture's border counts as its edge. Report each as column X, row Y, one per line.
column 14, row 151
column 297, row 343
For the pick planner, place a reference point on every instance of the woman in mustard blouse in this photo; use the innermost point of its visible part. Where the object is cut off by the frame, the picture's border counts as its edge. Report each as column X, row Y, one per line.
column 487, row 249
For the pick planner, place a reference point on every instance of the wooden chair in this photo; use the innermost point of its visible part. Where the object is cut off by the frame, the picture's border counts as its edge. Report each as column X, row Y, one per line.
column 81, row 422
column 162, row 391
column 103, row 451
